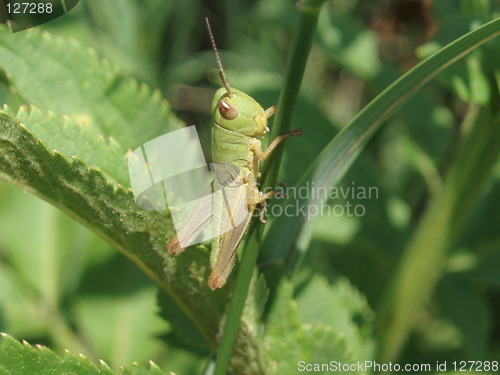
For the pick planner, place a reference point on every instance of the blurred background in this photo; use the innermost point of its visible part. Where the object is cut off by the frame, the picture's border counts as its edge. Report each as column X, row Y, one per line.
column 64, row 287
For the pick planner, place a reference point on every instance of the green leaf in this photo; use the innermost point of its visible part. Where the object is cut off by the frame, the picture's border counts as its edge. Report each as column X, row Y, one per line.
column 290, row 341
column 17, row 358
column 72, row 139
column 183, row 327
column 42, row 67
column 342, row 308
column 138, row 369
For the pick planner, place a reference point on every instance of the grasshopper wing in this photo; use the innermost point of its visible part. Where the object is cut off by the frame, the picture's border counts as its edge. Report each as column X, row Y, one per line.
column 190, row 231
column 231, row 218
column 200, row 224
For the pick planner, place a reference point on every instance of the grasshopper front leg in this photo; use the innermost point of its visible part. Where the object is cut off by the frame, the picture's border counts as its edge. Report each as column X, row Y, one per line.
column 263, row 155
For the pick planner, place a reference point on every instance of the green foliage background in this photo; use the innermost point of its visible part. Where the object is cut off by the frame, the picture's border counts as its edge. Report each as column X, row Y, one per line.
column 110, row 76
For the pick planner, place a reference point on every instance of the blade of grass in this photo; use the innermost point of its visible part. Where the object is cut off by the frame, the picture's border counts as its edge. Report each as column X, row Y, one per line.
column 334, row 161
column 293, row 77
column 423, row 260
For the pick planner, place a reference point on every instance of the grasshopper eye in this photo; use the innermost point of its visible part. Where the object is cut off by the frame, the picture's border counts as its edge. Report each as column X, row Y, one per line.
column 227, row 111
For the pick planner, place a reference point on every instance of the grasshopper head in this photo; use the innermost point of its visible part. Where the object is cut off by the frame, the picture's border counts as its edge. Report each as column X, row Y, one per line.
column 238, row 112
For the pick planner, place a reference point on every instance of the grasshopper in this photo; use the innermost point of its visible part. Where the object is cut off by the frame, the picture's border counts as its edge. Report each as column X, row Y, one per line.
column 237, row 120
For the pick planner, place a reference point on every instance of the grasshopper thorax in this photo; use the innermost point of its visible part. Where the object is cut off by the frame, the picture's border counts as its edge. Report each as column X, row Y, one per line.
column 238, row 112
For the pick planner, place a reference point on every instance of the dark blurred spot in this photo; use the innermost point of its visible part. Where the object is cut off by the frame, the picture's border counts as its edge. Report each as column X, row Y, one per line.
column 25, row 14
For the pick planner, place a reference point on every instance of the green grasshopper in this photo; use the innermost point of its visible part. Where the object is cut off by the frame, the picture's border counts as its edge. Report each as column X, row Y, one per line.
column 237, row 120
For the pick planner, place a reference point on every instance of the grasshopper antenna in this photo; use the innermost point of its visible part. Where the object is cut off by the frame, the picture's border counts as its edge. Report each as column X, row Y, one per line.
column 217, row 57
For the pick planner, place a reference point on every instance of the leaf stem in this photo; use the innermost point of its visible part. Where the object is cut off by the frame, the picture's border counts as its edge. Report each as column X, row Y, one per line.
column 293, row 79
column 302, row 42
